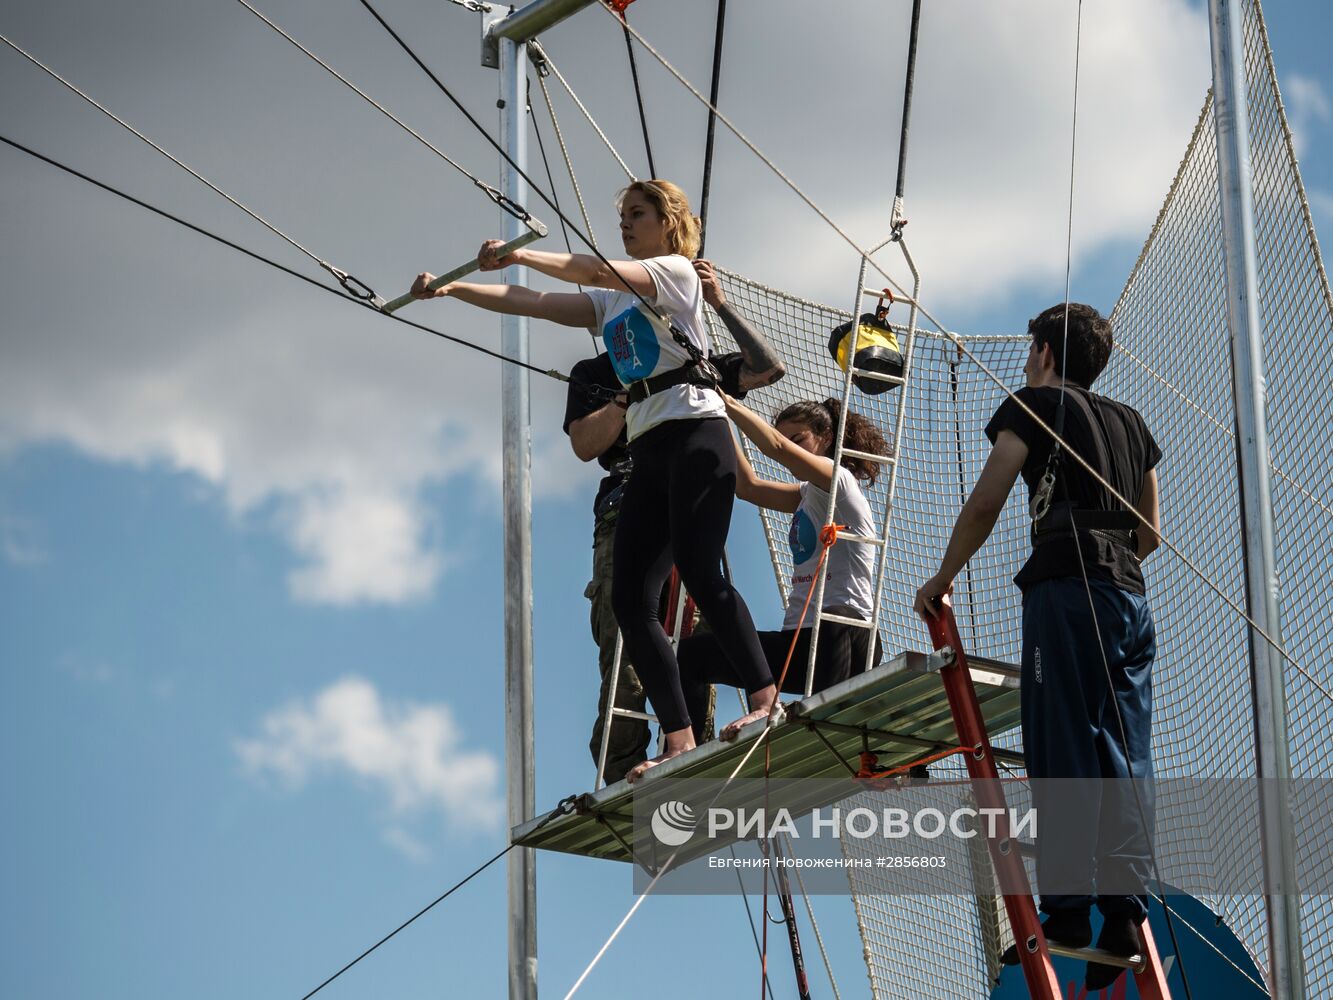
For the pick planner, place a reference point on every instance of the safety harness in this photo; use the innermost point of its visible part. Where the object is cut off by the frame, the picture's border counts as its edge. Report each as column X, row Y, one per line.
column 1054, row 520
column 699, row 370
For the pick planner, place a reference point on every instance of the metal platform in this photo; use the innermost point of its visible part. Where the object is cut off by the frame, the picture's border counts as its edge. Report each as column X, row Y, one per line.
column 900, row 708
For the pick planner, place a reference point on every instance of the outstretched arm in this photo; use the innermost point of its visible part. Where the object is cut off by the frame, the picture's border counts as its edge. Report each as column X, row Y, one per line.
column 576, row 268
column 978, row 516
column 565, row 308
column 762, row 366
column 804, row 465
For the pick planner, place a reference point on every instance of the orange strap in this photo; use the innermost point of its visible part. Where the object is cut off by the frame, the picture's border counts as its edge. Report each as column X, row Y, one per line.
column 881, row 779
column 828, row 537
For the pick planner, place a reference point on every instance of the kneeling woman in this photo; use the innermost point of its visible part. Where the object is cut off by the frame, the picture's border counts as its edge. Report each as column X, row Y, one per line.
column 801, row 439
column 677, row 502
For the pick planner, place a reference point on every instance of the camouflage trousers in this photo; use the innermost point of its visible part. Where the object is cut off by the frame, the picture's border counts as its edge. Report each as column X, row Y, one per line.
column 629, row 740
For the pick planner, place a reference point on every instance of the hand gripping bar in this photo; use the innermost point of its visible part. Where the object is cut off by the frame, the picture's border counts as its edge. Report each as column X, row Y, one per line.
column 536, row 230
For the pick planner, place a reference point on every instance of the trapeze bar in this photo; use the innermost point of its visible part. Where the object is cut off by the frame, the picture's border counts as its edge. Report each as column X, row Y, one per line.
column 535, row 232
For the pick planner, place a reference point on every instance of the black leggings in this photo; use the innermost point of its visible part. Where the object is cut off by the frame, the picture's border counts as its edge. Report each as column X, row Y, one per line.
column 677, row 509
column 842, row 654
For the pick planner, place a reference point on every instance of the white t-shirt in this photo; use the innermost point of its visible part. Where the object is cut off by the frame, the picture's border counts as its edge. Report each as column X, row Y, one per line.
column 851, row 565
column 640, row 345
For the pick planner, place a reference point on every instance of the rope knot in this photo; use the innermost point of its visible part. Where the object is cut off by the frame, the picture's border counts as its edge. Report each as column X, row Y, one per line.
column 828, row 535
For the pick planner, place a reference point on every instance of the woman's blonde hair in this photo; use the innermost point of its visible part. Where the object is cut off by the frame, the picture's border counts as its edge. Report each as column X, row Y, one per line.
column 682, row 226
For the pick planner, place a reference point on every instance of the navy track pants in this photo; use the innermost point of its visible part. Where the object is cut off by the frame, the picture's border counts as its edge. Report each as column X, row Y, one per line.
column 1072, row 729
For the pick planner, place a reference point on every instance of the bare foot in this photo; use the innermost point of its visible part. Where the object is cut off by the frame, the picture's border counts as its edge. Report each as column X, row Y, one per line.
column 637, row 771
column 732, row 729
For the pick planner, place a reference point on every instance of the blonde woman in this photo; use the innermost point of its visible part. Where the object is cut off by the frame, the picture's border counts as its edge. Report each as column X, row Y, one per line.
column 677, row 503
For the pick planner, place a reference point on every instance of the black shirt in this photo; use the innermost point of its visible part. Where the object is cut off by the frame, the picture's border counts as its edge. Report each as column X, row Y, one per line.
column 579, row 403
column 1114, row 440
column 599, row 372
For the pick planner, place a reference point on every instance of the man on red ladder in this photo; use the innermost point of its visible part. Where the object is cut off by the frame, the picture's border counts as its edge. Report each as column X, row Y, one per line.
column 596, row 429
column 1088, row 637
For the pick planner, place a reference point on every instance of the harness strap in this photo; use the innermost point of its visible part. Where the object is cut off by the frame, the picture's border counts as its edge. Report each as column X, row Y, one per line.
column 700, row 373
column 1066, row 521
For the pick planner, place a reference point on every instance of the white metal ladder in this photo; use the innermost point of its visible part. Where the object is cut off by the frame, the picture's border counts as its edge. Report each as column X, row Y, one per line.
column 891, row 460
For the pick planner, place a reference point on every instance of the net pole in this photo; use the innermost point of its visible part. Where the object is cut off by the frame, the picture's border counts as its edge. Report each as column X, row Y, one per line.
column 517, row 504
column 1286, row 963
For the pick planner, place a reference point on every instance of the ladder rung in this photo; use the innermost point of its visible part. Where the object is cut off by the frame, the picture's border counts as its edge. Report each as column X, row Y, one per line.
column 629, row 713
column 879, row 376
column 1134, row 963
column 829, row 616
column 859, row 539
column 886, row 459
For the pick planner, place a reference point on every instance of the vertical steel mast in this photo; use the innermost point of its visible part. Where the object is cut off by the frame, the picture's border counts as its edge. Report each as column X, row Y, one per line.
column 1286, row 974
column 503, row 47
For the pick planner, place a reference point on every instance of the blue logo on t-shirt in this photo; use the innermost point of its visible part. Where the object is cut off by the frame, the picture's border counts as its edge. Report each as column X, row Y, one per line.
column 631, row 343
column 802, row 538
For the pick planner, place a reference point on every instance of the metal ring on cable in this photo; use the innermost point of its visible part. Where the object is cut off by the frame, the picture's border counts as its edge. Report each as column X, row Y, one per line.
column 353, row 285
column 506, row 203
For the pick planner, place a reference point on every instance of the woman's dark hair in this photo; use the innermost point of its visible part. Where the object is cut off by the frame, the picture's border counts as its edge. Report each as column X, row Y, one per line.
column 861, row 435
column 1089, row 341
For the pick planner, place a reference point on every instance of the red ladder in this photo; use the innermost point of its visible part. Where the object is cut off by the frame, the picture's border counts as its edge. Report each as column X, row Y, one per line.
column 1033, row 951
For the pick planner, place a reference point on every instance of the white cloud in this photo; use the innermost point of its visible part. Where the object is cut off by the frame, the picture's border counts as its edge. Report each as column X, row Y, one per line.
column 1307, row 107
column 411, row 752
column 361, row 546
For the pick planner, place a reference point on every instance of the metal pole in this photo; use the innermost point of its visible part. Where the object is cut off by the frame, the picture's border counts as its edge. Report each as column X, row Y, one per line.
column 1286, row 973
column 517, row 545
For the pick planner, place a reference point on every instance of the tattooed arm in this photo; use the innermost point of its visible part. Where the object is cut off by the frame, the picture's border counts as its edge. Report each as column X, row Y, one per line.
column 762, row 366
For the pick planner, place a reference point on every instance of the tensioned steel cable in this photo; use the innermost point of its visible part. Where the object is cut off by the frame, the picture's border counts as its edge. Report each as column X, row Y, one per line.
column 638, row 94
column 348, row 296
column 713, row 91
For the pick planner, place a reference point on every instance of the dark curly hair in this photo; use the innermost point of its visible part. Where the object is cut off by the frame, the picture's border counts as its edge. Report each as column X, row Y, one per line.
column 1089, row 340
column 861, row 434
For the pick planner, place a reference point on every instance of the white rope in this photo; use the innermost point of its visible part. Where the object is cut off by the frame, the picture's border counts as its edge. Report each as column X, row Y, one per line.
column 185, row 166
column 569, row 163
column 666, row 866
column 810, row 912
column 588, row 115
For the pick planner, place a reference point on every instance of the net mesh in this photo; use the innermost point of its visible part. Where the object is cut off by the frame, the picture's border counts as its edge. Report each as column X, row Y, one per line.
column 1172, row 363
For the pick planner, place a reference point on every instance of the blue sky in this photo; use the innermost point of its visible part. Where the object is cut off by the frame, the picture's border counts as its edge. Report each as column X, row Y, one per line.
column 250, row 593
